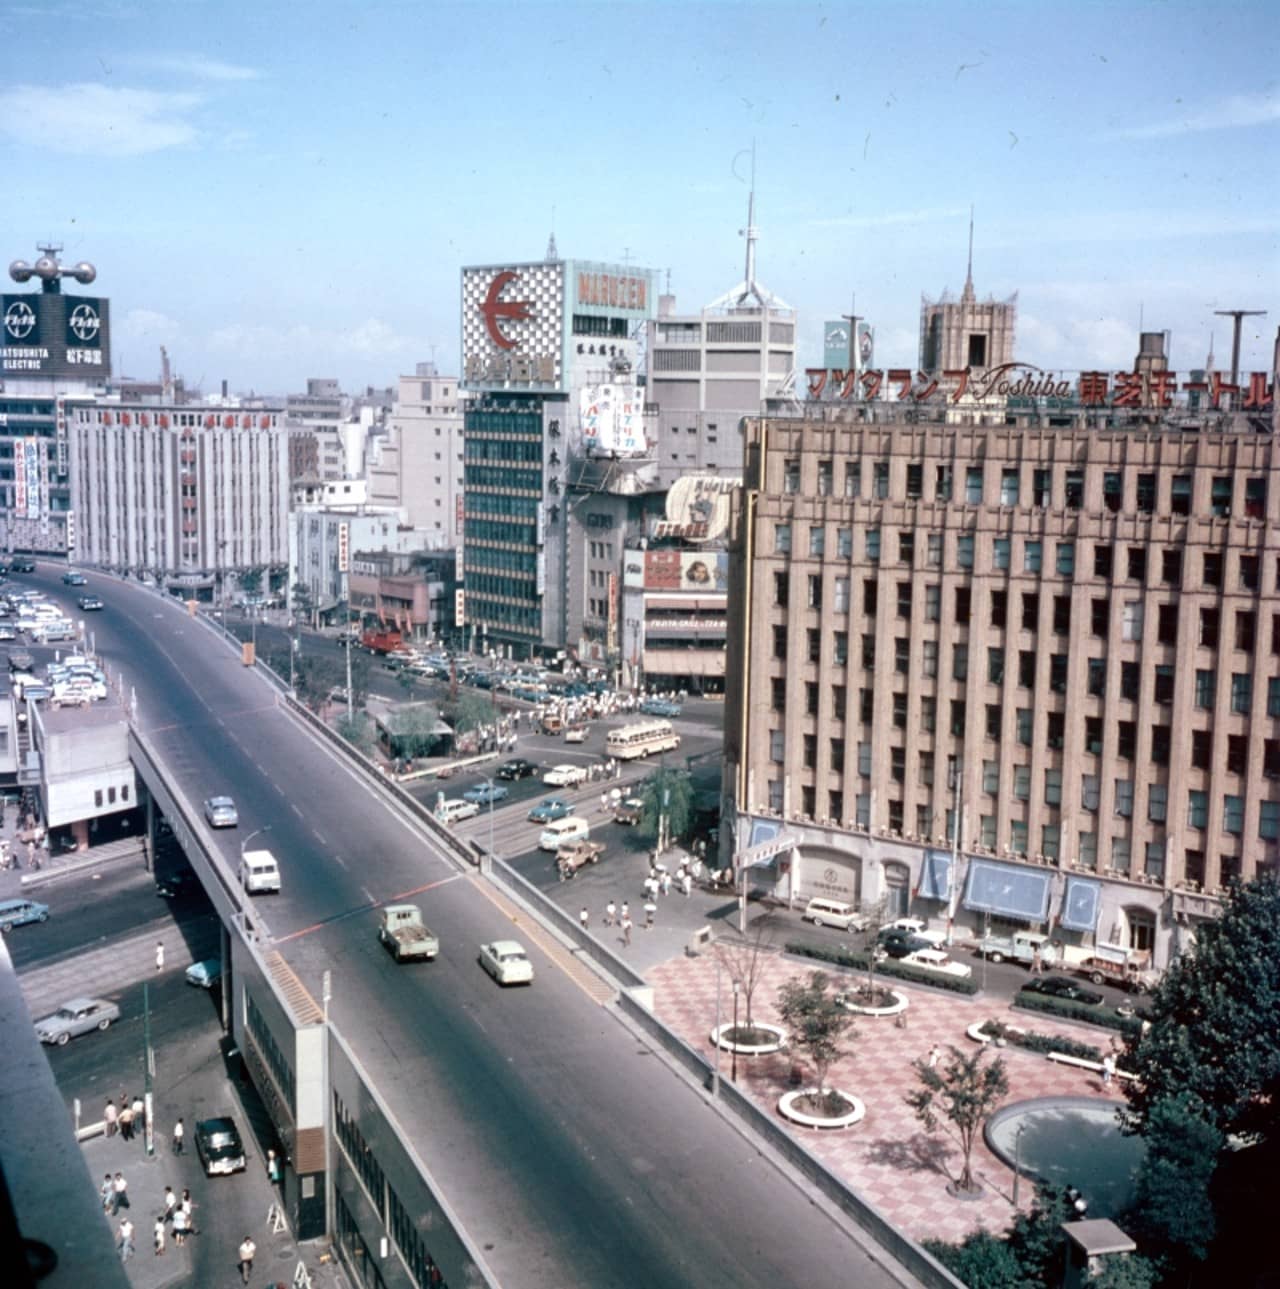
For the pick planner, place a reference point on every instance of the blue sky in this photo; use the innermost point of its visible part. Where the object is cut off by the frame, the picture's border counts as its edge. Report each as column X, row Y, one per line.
column 280, row 190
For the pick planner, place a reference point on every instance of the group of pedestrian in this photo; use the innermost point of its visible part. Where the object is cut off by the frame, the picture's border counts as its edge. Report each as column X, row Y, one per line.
column 178, row 1214
column 114, row 1192
column 129, row 1118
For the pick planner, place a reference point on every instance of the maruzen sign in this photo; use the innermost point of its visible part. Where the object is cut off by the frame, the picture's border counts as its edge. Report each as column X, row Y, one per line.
column 1126, row 389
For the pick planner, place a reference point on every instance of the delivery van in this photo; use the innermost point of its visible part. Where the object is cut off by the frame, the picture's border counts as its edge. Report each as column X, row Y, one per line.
column 824, row 912
column 560, row 831
column 259, row 872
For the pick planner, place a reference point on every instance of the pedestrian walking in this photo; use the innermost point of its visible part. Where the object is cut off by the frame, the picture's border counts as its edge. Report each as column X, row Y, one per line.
column 649, row 910
column 181, row 1223
column 108, row 1192
column 584, row 918
column 119, row 1194
column 934, row 1053
column 126, row 1122
column 665, row 880
column 159, row 955
column 686, row 884
column 1108, row 1069
column 273, row 1166
column 626, row 930
column 610, row 913
column 625, row 913
column 170, row 1205
column 139, row 1115
column 247, row 1250
column 179, row 1134
column 1037, row 962
column 110, row 1116
column 187, row 1208
column 158, row 1236
column 124, row 1240
column 604, row 803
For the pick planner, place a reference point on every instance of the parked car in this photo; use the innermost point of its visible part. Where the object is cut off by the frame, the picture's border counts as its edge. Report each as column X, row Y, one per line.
column 917, row 926
column 75, row 1017
column 484, row 794
column 897, row 943
column 219, row 1146
column 629, row 810
column 221, row 812
column 507, row 962
column 19, row 912
column 660, row 707
column 71, row 578
column 206, row 974
column 89, row 602
column 7, row 632
column 1061, row 987
column 550, row 809
column 576, row 734
column 517, row 768
column 22, row 565
column 937, row 960
column 564, row 776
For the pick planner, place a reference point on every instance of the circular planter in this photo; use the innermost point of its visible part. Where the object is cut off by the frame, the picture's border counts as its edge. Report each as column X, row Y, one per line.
column 895, row 1008
column 787, row 1109
column 774, row 1044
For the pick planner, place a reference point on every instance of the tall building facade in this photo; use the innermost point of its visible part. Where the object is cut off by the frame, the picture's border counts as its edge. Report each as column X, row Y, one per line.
column 550, row 362
column 315, row 420
column 1026, row 672
column 55, row 351
column 193, row 497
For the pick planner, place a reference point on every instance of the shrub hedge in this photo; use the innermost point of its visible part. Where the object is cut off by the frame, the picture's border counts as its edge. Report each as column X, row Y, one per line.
column 1068, row 1010
column 887, row 967
column 1034, row 1042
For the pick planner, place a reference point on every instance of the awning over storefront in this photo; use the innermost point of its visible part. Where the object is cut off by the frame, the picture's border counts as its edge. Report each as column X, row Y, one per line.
column 683, row 662
column 1008, row 890
column 935, row 876
column 1081, row 904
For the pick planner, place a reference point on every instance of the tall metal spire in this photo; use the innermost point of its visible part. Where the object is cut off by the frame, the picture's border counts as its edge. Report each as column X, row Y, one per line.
column 749, row 278
column 968, row 274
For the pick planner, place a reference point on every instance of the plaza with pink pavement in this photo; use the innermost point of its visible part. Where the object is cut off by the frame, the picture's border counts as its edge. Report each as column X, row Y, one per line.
column 888, row 1158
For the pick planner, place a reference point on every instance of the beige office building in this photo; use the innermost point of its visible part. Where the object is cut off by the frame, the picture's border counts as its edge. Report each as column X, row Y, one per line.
column 1068, row 626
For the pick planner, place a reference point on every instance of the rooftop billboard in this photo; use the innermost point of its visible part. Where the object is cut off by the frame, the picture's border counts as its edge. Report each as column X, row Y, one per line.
column 51, row 334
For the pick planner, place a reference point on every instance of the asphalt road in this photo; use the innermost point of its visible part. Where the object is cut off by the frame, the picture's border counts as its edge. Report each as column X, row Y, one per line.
column 572, row 1155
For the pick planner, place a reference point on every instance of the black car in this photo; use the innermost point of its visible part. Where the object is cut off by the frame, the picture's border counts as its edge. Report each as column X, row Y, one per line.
column 89, row 602
column 219, row 1146
column 897, row 943
column 1062, row 987
column 518, row 768
column 22, row 566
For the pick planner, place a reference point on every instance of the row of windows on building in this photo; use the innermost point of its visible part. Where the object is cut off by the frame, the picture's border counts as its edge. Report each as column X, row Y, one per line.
column 1141, row 488
column 1209, row 619
column 503, row 615
column 1139, row 563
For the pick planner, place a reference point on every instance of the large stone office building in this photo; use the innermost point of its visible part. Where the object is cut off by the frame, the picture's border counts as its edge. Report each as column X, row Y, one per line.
column 1062, row 620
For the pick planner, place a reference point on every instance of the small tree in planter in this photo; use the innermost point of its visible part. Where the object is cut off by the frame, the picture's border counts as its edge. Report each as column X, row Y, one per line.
column 962, row 1091
column 817, row 1023
column 745, row 962
column 871, row 995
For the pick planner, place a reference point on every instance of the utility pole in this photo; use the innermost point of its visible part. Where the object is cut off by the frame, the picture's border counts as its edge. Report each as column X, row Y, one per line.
column 1237, row 315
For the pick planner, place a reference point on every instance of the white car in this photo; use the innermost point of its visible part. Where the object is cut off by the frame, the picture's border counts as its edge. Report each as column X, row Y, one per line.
column 564, row 776
column 78, row 1016
column 938, row 961
column 917, row 926
column 507, row 962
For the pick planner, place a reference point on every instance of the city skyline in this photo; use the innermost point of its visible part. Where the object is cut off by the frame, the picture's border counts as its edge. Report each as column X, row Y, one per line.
column 276, row 207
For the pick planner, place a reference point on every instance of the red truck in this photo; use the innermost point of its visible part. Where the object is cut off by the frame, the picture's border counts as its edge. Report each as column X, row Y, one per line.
column 381, row 641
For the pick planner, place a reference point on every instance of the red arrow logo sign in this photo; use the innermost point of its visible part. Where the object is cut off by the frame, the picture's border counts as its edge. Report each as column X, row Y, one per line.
column 494, row 310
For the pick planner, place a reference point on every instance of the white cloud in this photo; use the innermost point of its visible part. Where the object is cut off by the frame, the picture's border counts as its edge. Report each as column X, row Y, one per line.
column 205, row 69
column 145, row 326
column 1239, row 111
column 1077, row 343
column 97, row 119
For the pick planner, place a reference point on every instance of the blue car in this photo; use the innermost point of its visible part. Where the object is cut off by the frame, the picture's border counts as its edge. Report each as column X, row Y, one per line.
column 550, row 809
column 483, row 793
column 19, row 912
column 660, row 707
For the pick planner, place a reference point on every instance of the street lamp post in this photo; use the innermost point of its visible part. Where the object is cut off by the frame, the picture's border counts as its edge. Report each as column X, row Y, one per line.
column 245, row 843
column 734, row 1049
column 715, row 1078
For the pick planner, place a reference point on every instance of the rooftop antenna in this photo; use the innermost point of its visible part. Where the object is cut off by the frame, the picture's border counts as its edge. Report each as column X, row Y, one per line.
column 552, row 253
column 1237, row 315
column 50, row 272
column 852, row 319
column 750, row 233
column 968, row 276
column 668, row 290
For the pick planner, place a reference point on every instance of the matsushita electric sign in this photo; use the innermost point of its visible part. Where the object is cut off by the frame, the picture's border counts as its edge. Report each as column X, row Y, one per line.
column 47, row 334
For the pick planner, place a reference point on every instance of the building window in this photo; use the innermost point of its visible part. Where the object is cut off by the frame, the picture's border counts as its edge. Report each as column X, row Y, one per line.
column 1250, row 572
column 933, row 550
column 957, row 717
column 1137, row 564
column 1201, row 749
column 942, row 483
column 1171, row 567
column 853, row 478
column 873, row 545
column 825, row 476
column 1273, row 697
column 1130, row 681
column 995, row 718
column 900, row 711
column 809, row 754
column 1018, row 836
column 1246, row 631
column 1206, row 684
column 1031, row 557
column 1212, row 568
column 880, row 480
column 1022, row 782
column 1030, row 612
column 781, row 589
column 775, row 796
column 1000, row 552
column 1146, row 493
column 1041, row 482
column 929, row 658
column 1238, row 753
column 869, row 652
column 1127, row 740
column 1164, row 684
column 1025, row 719
column 842, row 595
column 1120, row 854
column 1103, row 561
column 778, row 693
column 964, row 551
column 1233, row 814
column 864, row 760
column 1197, row 809
column 991, row 777
column 1058, row 673
column 844, row 543
column 791, row 477
column 780, row 642
column 898, row 764
column 1026, row 669
column 835, row 806
column 1167, row 624
column 817, row 541
column 995, row 666
column 1124, row 798
column 777, row 747
column 1089, row 791
column 1073, row 489
column 1096, row 681
column 1269, row 821
column 782, row 539
column 902, row 654
column 840, row 653
column 906, row 547
column 932, row 602
column 1241, row 692
column 866, row 705
column 815, row 591
column 1180, row 494
column 1255, row 496
column 1062, row 614
column 915, row 480
column 960, row 662
column 1157, row 803
column 862, row 808
column 1220, row 495
column 1088, row 857
column 837, row 755
column 1093, row 735
column 1066, row 559
column 904, row 600
column 1112, row 491
column 814, row 644
column 1209, row 628
column 1009, row 487
column 1131, row 620
column 839, row 701
column 973, row 485
column 1050, row 840
column 810, row 699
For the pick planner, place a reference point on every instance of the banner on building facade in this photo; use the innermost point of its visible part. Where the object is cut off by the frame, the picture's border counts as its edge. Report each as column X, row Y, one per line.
column 612, row 420
column 678, row 570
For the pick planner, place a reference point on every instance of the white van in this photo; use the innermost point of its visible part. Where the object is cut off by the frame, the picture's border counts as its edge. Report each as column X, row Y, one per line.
column 560, row 831
column 454, row 809
column 824, row 912
column 259, row 872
